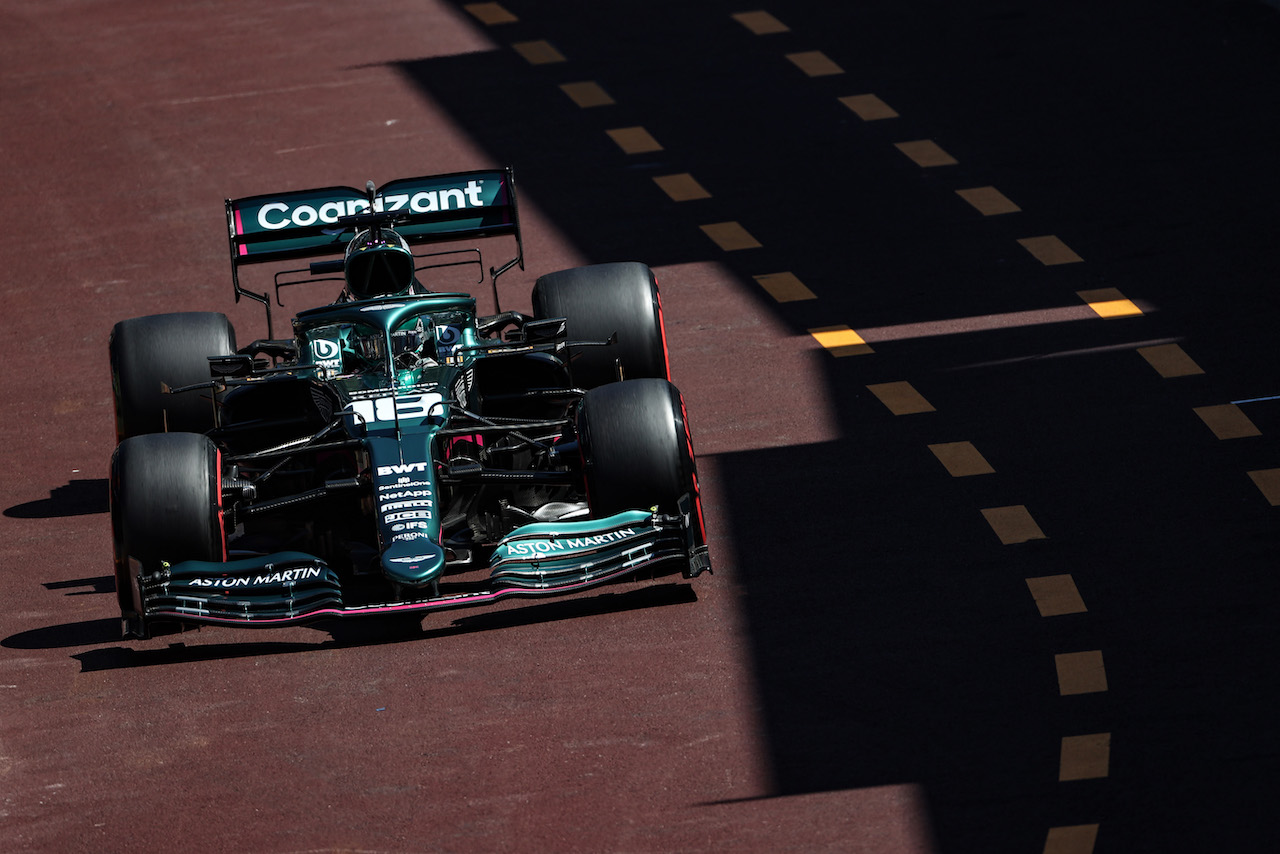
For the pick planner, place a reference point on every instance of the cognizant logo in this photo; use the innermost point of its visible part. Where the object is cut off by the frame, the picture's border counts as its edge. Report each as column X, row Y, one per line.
column 277, row 215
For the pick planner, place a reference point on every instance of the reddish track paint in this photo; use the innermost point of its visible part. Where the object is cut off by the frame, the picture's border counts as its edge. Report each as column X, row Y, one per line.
column 649, row 734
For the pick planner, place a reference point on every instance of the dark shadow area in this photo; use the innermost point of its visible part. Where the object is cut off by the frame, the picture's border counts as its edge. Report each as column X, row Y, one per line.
column 66, row 635
column 653, row 596
column 84, row 586
column 343, row 634
column 77, row 498
column 893, row 635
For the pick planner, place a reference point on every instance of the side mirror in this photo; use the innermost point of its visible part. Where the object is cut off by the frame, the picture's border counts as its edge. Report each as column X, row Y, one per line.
column 545, row 331
column 231, row 366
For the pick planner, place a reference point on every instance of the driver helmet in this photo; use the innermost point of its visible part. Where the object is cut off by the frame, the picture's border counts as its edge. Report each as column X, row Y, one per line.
column 378, row 263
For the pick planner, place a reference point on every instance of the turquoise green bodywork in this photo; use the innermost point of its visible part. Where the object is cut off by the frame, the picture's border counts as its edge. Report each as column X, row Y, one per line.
column 396, row 360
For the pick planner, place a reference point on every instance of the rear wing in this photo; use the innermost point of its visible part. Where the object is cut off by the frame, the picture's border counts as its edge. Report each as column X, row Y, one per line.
column 430, row 209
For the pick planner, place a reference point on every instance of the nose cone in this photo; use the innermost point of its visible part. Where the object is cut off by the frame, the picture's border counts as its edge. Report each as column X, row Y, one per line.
column 413, row 563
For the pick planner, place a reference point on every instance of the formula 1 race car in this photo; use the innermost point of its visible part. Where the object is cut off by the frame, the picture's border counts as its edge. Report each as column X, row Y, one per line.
column 398, row 454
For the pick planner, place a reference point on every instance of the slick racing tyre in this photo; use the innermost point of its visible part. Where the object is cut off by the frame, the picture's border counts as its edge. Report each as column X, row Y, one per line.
column 597, row 302
column 166, row 349
column 166, row 505
column 636, row 447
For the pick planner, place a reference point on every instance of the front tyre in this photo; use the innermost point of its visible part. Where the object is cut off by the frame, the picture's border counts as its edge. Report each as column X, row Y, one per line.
column 636, row 448
column 166, row 349
column 166, row 505
column 599, row 301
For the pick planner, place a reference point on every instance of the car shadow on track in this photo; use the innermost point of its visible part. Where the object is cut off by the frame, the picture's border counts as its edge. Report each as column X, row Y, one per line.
column 84, row 586
column 892, row 635
column 343, row 634
column 77, row 498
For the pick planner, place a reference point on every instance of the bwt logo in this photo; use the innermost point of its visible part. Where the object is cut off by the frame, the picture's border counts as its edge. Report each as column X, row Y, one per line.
column 276, row 215
column 405, row 468
column 324, row 349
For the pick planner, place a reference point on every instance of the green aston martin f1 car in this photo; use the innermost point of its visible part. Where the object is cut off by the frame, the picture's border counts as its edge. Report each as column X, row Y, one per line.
column 397, row 454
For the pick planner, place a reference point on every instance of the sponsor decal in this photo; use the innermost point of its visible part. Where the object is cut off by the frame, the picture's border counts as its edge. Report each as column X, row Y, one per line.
column 388, row 518
column 287, row 576
column 219, row 582
column 326, row 354
column 388, row 408
column 538, row 548
column 405, row 505
column 403, row 483
column 447, row 338
column 277, row 215
column 407, row 493
column 403, row 468
column 323, row 348
column 414, row 559
column 406, row 501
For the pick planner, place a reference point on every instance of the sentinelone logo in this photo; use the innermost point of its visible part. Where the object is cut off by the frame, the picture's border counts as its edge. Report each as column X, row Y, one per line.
column 277, row 215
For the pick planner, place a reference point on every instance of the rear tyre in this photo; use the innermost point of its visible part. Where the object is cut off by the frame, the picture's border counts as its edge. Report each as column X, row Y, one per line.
column 599, row 301
column 172, row 350
column 636, row 447
column 166, row 505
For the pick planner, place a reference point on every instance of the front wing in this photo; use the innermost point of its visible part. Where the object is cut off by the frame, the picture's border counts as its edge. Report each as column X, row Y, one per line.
column 544, row 559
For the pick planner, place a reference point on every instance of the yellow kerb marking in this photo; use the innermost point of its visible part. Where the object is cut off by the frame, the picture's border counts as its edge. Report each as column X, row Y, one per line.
column 926, row 153
column 1074, row 839
column 901, row 398
column 815, row 63
column 785, row 287
column 841, row 341
column 1109, row 302
column 681, row 188
column 961, row 459
column 1056, row 595
column 1170, row 361
column 587, row 93
column 1081, row 672
column 490, row 13
column 761, row 23
column 1227, row 421
column 988, row 201
column 539, row 52
column 1013, row 524
column 1085, row 757
column 1050, row 250
column 869, row 108
column 730, row 236
column 634, row 140
column 1268, row 482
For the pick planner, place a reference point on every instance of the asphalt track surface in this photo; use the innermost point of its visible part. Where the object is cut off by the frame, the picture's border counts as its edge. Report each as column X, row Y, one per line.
column 995, row 535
